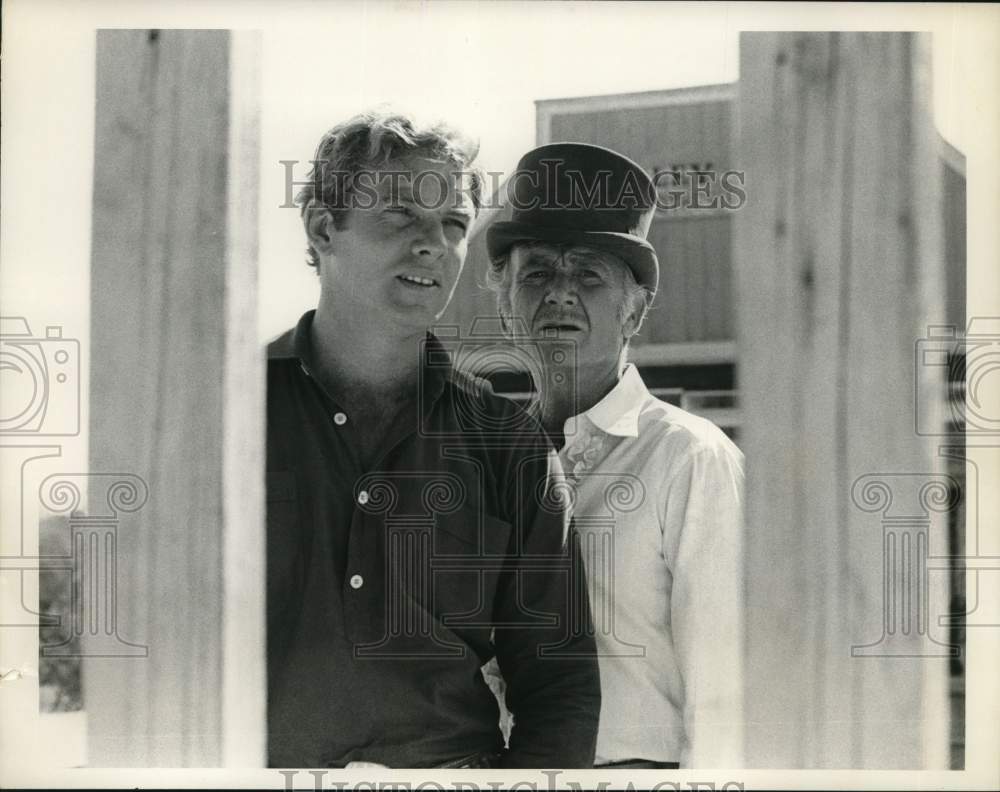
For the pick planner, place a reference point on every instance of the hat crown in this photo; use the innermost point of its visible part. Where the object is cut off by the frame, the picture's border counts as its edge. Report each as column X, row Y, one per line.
column 580, row 194
column 582, row 186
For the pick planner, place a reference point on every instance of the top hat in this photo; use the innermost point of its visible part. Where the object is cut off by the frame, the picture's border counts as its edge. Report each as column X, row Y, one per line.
column 576, row 193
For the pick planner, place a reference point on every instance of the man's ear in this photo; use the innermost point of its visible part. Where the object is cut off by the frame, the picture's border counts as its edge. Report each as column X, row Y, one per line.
column 319, row 227
column 640, row 300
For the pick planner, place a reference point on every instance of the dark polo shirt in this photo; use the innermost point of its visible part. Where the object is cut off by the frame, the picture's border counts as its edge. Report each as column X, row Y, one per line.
column 388, row 588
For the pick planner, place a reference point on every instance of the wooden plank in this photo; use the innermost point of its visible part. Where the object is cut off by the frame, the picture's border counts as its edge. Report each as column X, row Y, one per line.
column 719, row 309
column 953, row 206
column 696, row 280
column 838, row 272
column 688, row 258
column 176, row 381
column 473, row 306
column 721, row 305
column 696, row 353
column 720, row 92
column 244, row 682
column 697, row 264
column 664, row 320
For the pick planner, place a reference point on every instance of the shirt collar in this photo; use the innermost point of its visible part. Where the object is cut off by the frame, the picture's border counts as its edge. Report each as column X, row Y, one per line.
column 618, row 412
column 297, row 344
column 294, row 344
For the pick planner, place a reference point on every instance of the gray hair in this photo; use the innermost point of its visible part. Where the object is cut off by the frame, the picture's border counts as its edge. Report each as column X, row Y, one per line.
column 369, row 141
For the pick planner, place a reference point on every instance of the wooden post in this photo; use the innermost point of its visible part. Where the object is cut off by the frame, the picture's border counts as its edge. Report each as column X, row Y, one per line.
column 839, row 271
column 177, row 398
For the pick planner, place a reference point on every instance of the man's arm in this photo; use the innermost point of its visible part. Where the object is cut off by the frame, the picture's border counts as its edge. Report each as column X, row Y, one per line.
column 704, row 532
column 549, row 663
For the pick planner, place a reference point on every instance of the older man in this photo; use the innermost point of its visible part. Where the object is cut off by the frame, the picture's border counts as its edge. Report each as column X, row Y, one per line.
column 657, row 490
column 408, row 544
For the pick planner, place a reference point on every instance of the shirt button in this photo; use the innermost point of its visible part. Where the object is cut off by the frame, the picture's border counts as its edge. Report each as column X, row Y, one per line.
column 357, row 581
column 363, row 497
column 340, row 419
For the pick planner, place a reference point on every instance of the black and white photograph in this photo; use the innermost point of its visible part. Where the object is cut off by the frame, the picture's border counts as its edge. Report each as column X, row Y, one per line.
column 570, row 394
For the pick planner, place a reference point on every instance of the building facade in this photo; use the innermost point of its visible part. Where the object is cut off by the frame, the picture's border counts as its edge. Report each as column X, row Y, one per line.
column 686, row 139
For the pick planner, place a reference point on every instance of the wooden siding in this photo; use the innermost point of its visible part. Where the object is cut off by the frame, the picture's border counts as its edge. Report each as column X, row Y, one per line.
column 177, row 397
column 847, row 664
column 953, row 210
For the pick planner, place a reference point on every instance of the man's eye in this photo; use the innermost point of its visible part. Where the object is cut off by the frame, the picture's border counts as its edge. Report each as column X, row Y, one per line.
column 463, row 227
column 535, row 275
column 399, row 211
column 590, row 275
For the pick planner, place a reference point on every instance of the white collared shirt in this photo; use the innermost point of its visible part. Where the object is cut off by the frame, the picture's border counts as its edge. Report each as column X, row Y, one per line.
column 658, row 509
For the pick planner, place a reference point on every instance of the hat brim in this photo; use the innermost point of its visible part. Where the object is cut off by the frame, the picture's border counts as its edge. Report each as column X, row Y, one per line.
column 637, row 252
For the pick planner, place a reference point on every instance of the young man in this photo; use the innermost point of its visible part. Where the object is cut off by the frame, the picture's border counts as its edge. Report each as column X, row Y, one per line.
column 658, row 491
column 408, row 543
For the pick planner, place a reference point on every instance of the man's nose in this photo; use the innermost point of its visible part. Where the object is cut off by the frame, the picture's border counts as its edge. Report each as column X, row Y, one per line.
column 562, row 291
column 430, row 242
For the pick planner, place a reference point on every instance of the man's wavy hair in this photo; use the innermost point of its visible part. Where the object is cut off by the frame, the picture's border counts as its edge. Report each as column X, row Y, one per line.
column 370, row 141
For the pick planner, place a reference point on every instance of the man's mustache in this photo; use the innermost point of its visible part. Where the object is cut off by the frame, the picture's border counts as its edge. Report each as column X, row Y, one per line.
column 560, row 320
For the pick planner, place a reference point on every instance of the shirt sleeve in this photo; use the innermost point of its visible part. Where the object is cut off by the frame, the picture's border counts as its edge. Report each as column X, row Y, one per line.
column 703, row 548
column 548, row 653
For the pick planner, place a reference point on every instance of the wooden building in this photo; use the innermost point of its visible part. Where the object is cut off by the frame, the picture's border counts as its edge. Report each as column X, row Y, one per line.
column 686, row 350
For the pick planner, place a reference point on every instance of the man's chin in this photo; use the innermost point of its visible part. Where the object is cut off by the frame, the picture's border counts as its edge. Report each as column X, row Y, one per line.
column 422, row 313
